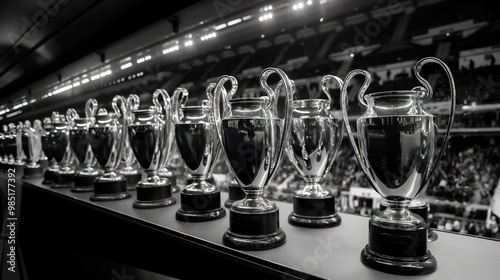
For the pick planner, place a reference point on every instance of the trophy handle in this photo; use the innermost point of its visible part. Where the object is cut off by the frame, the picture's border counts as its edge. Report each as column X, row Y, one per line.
column 71, row 114
column 289, row 91
column 222, row 96
column 343, row 101
column 166, row 111
column 425, row 83
column 207, row 103
column 91, row 107
column 55, row 116
column 324, row 87
column 179, row 99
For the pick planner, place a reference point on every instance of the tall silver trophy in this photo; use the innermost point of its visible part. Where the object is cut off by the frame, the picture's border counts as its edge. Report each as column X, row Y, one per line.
column 60, row 146
column 80, row 144
column 3, row 148
column 314, row 141
column 150, row 133
column 397, row 151
column 198, row 143
column 14, row 147
column 32, row 147
column 253, row 139
column 128, row 161
column 53, row 167
column 106, row 138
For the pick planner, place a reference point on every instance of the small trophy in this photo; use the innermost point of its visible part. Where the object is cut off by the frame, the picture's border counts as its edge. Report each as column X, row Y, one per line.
column 397, row 151
column 3, row 151
column 61, row 150
column 199, row 147
column 253, row 139
column 47, row 150
column 106, row 137
column 80, row 144
column 132, row 175
column 150, row 133
column 13, row 147
column 315, row 138
column 32, row 147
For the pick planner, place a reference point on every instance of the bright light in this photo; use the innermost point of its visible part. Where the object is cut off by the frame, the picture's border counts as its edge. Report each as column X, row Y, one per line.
column 234, row 21
column 208, row 36
column 300, row 5
column 220, row 26
column 246, row 17
column 33, row 100
column 49, row 94
column 321, row 2
column 14, row 113
column 147, row 57
column 76, row 84
column 351, row 55
column 309, row 2
column 171, row 49
column 188, row 43
column 267, row 8
column 141, row 60
column 95, row 77
column 57, row 91
column 266, row 17
column 84, row 81
column 126, row 65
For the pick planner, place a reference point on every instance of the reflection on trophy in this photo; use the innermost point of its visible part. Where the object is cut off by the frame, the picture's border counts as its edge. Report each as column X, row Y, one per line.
column 32, row 147
column 4, row 158
column 315, row 138
column 79, row 141
column 149, row 133
column 235, row 192
column 196, row 138
column 10, row 145
column 253, row 138
column 397, row 152
column 14, row 147
column 61, row 150
column 106, row 139
column 47, row 150
column 128, row 160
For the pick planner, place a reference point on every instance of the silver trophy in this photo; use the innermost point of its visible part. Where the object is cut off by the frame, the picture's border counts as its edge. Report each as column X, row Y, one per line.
column 13, row 147
column 80, row 144
column 47, row 150
column 314, row 141
column 60, row 146
column 149, row 134
column 196, row 138
column 106, row 137
column 3, row 149
column 32, row 147
column 128, row 160
column 397, row 151
column 253, row 139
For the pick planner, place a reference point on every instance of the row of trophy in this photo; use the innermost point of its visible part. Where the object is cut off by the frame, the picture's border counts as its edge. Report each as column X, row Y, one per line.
column 396, row 148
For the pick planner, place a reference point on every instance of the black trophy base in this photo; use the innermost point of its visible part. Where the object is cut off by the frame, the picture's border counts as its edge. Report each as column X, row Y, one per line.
column 132, row 180
column 83, row 183
column 154, row 197
column 110, row 191
column 200, row 207
column 254, row 231
column 47, row 177
column 235, row 193
column 32, row 172
column 397, row 251
column 62, row 180
column 314, row 212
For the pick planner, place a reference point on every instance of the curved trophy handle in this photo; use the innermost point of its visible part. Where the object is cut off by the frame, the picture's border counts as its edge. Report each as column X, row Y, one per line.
column 133, row 102
column 344, row 101
column 91, row 107
column 207, row 103
column 289, row 91
column 179, row 100
column 165, row 109
column 122, row 111
column 71, row 114
column 324, row 87
column 221, row 95
column 425, row 83
column 55, row 117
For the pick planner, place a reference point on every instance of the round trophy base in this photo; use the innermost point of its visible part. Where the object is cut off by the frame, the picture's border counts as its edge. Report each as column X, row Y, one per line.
column 200, row 207
column 84, row 183
column 110, row 190
column 154, row 203
column 62, row 180
column 132, row 180
column 397, row 265
column 254, row 231
column 32, row 172
column 173, row 181
column 235, row 193
column 314, row 212
column 47, row 177
column 154, row 196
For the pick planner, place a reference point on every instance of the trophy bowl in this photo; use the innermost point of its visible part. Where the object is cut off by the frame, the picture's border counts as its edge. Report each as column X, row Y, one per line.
column 253, row 138
column 47, row 150
column 397, row 151
column 60, row 146
column 32, row 147
column 196, row 138
column 314, row 141
column 149, row 133
column 106, row 138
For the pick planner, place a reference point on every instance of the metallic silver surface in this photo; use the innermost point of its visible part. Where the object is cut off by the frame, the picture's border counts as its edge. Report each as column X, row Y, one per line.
column 60, row 144
column 31, row 143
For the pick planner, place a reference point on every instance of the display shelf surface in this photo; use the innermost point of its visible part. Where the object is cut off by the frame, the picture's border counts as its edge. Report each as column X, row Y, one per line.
column 332, row 253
